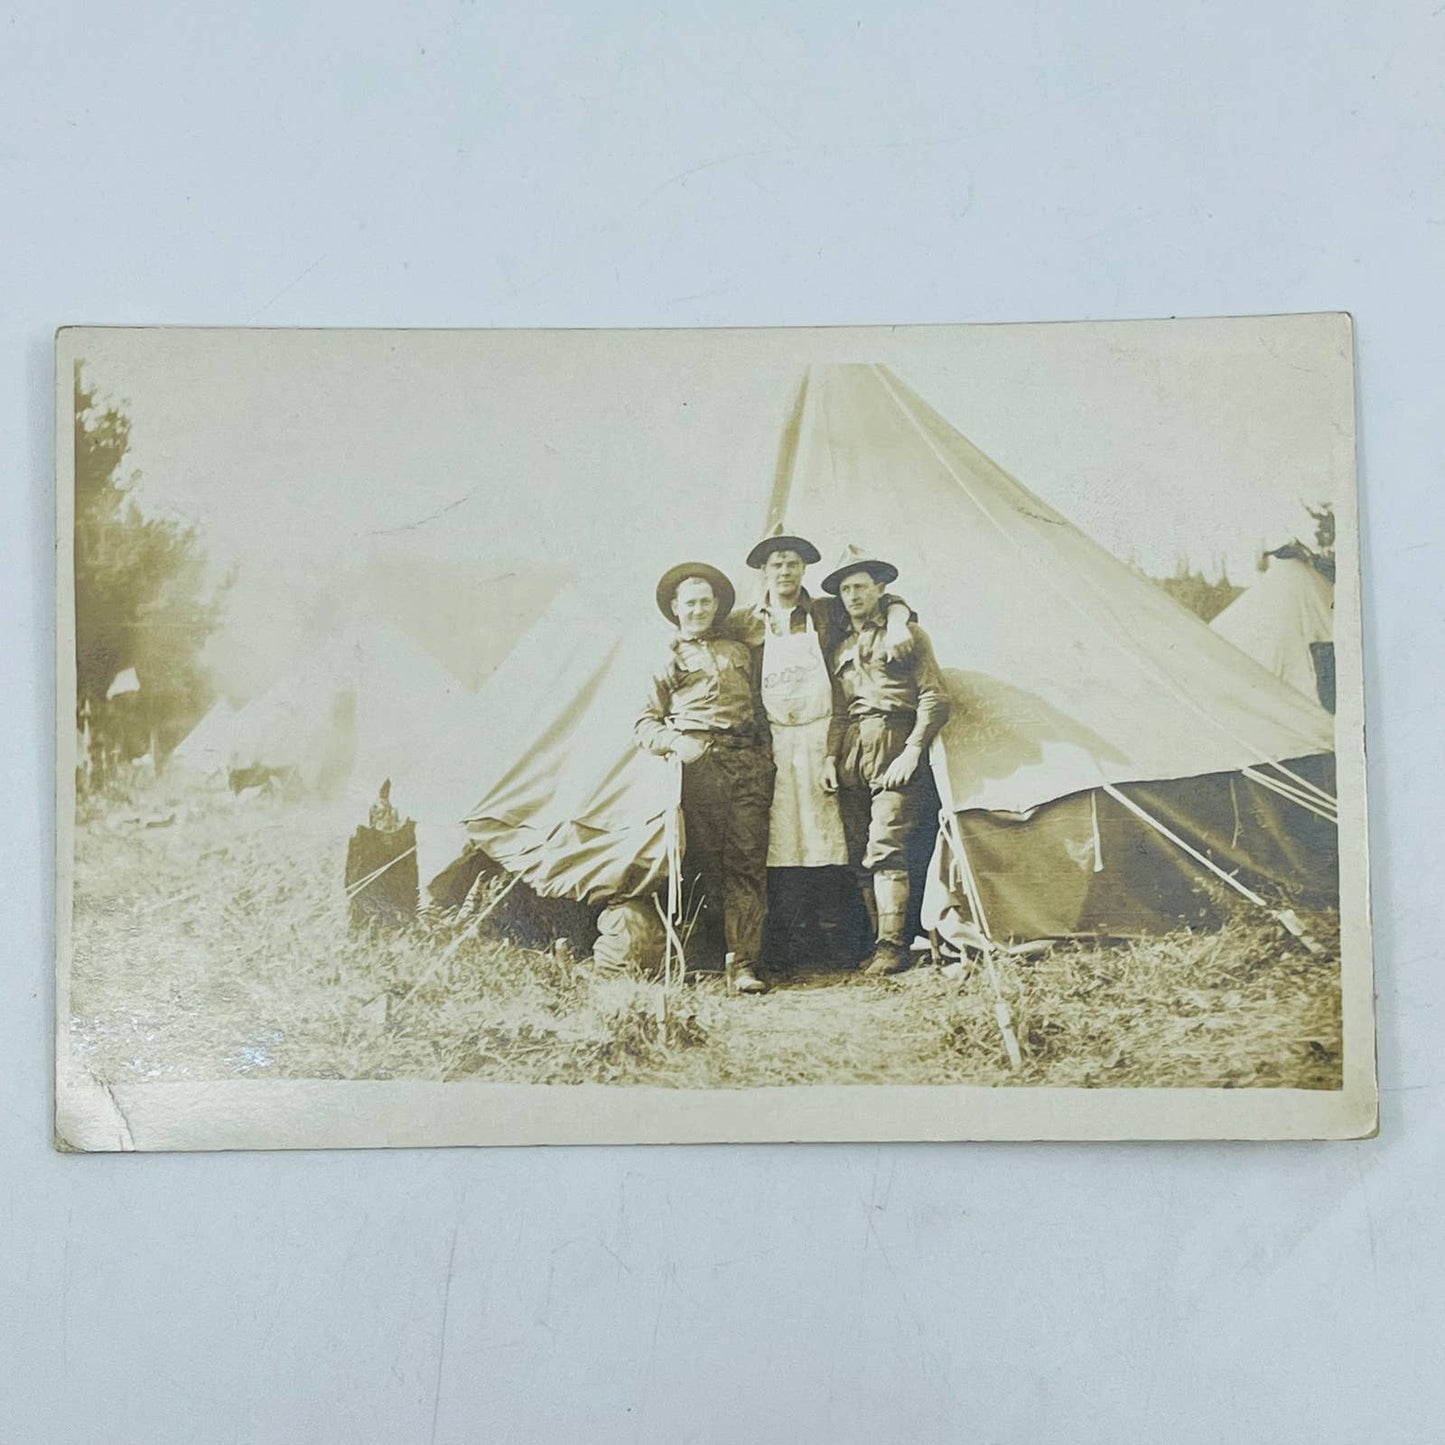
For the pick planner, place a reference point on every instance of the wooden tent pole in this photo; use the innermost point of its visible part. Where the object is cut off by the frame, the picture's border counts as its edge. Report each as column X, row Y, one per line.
column 672, row 921
column 1003, row 1014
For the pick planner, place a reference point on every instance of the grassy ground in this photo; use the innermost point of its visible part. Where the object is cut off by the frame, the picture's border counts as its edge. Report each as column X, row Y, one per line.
column 216, row 946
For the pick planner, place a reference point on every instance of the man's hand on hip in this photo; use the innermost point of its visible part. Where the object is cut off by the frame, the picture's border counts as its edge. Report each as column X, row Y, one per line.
column 688, row 749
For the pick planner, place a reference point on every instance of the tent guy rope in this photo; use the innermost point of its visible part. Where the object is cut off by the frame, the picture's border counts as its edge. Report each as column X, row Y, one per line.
column 1284, row 916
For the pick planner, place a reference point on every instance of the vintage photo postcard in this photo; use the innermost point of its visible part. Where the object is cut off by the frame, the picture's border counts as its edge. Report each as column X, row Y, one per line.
column 508, row 737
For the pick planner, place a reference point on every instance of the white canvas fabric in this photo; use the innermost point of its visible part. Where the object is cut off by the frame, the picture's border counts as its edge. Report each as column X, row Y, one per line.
column 1067, row 669
column 354, row 713
column 1279, row 618
column 574, row 806
column 205, row 749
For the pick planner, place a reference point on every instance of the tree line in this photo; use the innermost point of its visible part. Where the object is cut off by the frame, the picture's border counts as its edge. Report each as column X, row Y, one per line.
column 145, row 601
column 145, row 605
column 1207, row 596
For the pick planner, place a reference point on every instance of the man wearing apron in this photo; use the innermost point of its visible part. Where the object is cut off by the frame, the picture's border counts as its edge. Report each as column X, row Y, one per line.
column 791, row 635
column 702, row 709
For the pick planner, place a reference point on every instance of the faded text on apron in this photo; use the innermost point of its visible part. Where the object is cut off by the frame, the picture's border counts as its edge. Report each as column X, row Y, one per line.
column 805, row 827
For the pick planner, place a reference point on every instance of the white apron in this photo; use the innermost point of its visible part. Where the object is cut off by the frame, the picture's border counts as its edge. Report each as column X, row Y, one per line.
column 805, row 828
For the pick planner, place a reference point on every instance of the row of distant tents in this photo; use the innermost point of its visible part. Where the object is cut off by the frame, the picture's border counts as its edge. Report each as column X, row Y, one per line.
column 1107, row 749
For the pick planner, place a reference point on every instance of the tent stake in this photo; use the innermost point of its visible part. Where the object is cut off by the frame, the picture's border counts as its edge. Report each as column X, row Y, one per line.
column 1283, row 916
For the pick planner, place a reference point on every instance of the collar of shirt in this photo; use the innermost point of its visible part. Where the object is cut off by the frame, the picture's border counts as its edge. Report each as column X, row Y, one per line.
column 875, row 621
column 797, row 616
column 707, row 643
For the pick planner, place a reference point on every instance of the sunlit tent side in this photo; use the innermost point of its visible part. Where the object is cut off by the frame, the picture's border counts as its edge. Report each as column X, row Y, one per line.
column 1091, row 711
column 1106, row 749
column 205, row 751
column 569, row 804
column 1285, row 622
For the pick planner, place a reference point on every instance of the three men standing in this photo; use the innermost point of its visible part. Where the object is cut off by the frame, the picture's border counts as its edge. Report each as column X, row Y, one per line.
column 801, row 733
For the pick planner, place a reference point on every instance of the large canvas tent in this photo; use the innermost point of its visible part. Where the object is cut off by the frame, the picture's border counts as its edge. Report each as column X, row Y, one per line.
column 569, row 803
column 1105, row 749
column 1285, row 622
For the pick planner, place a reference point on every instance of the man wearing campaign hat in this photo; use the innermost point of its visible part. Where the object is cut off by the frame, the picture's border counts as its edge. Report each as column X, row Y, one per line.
column 791, row 635
column 703, row 709
column 887, row 712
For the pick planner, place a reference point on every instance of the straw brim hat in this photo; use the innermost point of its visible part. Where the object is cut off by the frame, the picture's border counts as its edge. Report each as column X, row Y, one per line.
column 765, row 549
column 722, row 589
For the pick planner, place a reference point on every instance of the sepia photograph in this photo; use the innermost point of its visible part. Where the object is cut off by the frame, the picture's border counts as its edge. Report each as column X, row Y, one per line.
column 601, row 736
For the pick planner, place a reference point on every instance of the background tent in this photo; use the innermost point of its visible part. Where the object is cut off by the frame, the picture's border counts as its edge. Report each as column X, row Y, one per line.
column 348, row 714
column 465, row 615
column 1285, row 622
column 205, row 750
column 1074, row 681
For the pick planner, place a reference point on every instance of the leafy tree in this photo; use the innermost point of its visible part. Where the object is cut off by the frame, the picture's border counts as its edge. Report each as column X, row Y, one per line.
column 1323, row 555
column 142, row 598
column 1204, row 596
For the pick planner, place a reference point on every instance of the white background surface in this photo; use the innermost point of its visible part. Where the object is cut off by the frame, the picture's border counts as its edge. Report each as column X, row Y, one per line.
column 695, row 165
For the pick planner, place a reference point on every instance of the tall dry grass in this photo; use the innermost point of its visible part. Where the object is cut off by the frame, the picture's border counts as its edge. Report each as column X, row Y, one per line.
column 211, row 941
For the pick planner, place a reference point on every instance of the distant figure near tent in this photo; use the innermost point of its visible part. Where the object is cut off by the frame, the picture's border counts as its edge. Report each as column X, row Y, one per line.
column 1285, row 622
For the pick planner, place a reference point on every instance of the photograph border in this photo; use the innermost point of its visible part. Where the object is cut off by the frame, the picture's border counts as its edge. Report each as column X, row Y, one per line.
column 304, row 1114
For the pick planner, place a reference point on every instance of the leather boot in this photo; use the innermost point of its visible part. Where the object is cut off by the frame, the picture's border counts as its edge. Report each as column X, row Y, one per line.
column 741, row 978
column 890, row 892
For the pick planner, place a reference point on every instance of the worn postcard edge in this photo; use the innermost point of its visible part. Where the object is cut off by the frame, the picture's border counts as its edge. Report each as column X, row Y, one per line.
column 91, row 1116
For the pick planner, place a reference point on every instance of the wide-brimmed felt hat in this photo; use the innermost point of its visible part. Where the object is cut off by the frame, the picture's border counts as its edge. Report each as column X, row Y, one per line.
column 784, row 542
column 855, row 559
column 670, row 580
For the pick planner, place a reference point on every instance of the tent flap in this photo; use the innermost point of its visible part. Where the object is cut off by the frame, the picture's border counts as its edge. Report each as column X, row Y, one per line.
column 1085, row 865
